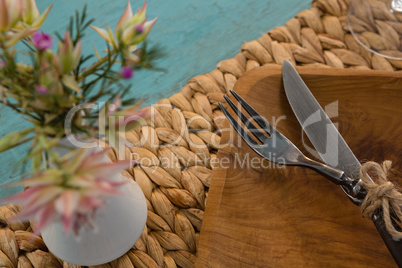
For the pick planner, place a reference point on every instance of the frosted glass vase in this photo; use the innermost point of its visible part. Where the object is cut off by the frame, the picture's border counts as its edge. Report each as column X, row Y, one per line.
column 118, row 226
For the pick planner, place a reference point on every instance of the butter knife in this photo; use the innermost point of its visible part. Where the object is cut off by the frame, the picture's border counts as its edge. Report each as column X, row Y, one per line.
column 329, row 143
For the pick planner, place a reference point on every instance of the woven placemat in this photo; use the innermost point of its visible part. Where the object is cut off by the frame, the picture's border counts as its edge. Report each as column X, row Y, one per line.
column 181, row 143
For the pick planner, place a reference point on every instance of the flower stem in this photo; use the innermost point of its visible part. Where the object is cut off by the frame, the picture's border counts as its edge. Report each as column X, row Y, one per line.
column 96, row 65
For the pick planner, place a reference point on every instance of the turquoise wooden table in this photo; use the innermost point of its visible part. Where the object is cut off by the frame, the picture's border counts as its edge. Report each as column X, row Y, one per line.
column 195, row 35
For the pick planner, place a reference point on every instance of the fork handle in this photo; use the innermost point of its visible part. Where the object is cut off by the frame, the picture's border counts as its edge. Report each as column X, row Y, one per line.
column 335, row 175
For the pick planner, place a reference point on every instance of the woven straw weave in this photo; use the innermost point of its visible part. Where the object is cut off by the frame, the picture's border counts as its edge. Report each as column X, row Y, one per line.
column 185, row 135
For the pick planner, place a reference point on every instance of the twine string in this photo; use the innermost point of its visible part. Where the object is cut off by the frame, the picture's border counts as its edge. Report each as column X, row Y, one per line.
column 381, row 193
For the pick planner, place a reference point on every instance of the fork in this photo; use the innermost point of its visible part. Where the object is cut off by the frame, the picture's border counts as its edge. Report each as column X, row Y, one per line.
column 276, row 148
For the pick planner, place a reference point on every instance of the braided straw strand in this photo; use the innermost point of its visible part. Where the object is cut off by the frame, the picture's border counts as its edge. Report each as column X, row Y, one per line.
column 176, row 151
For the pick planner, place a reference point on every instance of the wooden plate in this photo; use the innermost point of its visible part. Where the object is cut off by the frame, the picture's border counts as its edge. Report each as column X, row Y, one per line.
column 270, row 216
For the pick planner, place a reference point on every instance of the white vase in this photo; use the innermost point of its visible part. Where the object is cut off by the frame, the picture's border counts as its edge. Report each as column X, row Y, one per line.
column 118, row 226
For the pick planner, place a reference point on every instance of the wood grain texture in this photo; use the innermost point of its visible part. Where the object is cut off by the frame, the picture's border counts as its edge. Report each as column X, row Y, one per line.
column 293, row 217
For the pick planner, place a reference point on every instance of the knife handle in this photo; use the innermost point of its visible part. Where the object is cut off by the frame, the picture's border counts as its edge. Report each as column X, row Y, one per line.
column 395, row 247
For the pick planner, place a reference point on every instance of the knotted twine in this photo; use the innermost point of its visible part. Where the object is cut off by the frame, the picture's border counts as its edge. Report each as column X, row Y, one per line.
column 381, row 193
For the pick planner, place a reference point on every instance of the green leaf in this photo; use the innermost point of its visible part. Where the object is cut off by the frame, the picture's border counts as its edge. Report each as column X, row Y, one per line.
column 71, row 83
column 11, row 140
column 37, row 162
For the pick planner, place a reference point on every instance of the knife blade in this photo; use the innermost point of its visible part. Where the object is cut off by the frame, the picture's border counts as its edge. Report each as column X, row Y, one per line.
column 328, row 142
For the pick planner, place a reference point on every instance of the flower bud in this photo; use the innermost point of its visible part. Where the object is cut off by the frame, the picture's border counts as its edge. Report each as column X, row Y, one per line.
column 42, row 41
column 127, row 73
column 30, row 11
column 41, row 89
column 68, row 55
column 130, row 30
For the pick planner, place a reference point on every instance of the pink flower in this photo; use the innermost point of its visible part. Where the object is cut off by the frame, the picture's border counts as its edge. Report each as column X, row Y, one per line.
column 130, row 30
column 72, row 194
column 2, row 64
column 127, row 73
column 139, row 28
column 42, row 41
column 41, row 89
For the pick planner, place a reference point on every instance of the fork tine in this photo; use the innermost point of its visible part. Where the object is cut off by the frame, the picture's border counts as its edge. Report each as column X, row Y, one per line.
column 248, row 124
column 245, row 136
column 253, row 113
